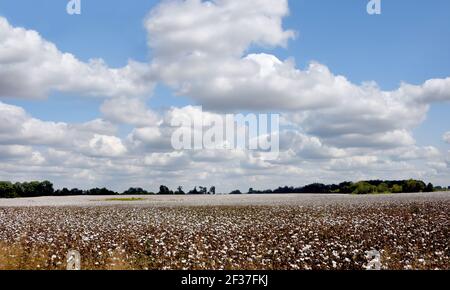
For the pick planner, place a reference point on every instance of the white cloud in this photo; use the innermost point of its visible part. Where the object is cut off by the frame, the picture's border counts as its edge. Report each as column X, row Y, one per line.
column 106, row 146
column 18, row 128
column 411, row 153
column 158, row 137
column 389, row 139
column 354, row 163
column 433, row 90
column 130, row 111
column 308, row 147
column 31, row 67
column 14, row 151
column 199, row 49
column 218, row 27
column 98, row 126
column 167, row 161
column 150, row 139
column 446, row 137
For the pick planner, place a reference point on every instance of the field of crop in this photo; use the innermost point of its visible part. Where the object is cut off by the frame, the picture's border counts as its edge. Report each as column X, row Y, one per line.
column 288, row 232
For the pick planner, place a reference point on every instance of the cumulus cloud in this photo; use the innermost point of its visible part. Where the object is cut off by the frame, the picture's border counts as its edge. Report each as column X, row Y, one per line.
column 14, row 151
column 199, row 49
column 434, row 90
column 17, row 127
column 31, row 67
column 409, row 153
column 308, row 147
column 167, row 161
column 132, row 111
column 446, row 137
column 201, row 53
column 66, row 152
column 106, row 146
column 219, row 27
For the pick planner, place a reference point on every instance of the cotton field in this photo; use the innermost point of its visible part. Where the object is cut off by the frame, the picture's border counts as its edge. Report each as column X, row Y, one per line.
column 288, row 232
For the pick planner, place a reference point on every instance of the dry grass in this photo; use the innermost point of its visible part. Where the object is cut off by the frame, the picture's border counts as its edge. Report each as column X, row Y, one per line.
column 409, row 236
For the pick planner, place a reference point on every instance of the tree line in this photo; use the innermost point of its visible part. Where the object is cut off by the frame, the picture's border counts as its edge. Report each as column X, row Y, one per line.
column 362, row 187
column 45, row 188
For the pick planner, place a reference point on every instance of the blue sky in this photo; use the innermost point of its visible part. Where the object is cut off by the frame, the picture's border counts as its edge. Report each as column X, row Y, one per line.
column 409, row 42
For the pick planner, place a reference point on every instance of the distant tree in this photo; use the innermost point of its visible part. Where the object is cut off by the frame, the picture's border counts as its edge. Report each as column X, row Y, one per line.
column 414, row 186
column 333, row 188
column 46, row 188
column 180, row 191
column 164, row 190
column 383, row 188
column 396, row 188
column 18, row 189
column 62, row 192
column 375, row 182
column 194, row 191
column 100, row 191
column 135, row 191
column 67, row 192
column 284, row 189
column 29, row 189
column 34, row 189
column 76, row 191
column 346, row 187
column 364, row 187
column 316, row 188
column 7, row 190
column 203, row 190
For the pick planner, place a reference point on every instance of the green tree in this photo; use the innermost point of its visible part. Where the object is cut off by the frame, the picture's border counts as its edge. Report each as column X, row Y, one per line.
column 180, row 191
column 346, row 187
column 164, row 190
column 135, row 191
column 414, row 186
column 45, row 188
column 7, row 190
column 396, row 188
column 383, row 188
column 364, row 187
